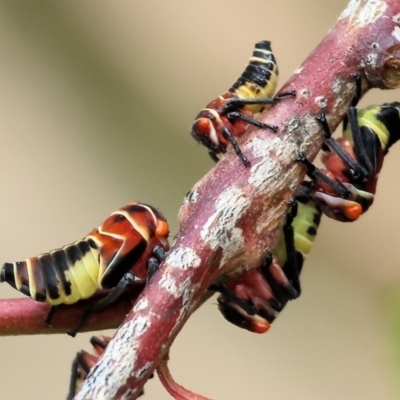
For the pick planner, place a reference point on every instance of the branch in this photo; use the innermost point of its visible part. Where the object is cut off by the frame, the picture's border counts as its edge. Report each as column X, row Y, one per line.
column 234, row 213
column 26, row 316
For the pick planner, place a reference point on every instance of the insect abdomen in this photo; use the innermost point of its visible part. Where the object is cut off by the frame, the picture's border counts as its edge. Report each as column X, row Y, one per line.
column 260, row 78
column 305, row 225
column 64, row 275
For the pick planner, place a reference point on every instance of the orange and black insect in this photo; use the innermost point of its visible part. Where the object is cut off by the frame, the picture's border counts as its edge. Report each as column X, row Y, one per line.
column 229, row 114
column 129, row 244
column 254, row 299
column 84, row 362
column 346, row 188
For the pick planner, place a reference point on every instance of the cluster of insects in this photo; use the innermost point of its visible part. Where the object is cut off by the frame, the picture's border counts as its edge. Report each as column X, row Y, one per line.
column 344, row 190
column 133, row 240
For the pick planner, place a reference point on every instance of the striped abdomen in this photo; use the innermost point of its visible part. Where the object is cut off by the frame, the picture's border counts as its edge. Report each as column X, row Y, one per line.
column 305, row 225
column 260, row 78
column 62, row 276
column 122, row 243
column 346, row 188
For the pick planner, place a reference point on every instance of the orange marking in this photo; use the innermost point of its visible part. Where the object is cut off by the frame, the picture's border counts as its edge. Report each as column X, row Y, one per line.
column 203, row 126
column 260, row 327
column 353, row 212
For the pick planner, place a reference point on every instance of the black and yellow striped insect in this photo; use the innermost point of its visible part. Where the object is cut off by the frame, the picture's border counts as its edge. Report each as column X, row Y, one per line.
column 346, row 188
column 254, row 299
column 129, row 244
column 229, row 114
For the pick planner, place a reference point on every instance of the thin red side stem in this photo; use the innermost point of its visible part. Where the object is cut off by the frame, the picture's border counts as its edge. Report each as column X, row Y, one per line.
column 26, row 316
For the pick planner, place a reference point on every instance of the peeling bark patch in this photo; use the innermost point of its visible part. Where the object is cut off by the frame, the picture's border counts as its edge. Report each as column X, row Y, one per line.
column 262, row 149
column 369, row 13
column 168, row 283
column 293, row 124
column 140, row 325
column 175, row 288
column 305, row 93
column 337, row 86
column 142, row 371
column 186, row 294
column 350, row 9
column 263, row 173
column 183, row 258
column 321, row 101
column 142, row 304
column 187, row 289
column 370, row 60
column 396, row 33
column 220, row 230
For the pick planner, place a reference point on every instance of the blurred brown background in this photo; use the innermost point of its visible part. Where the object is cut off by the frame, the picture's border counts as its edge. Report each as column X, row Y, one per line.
column 96, row 101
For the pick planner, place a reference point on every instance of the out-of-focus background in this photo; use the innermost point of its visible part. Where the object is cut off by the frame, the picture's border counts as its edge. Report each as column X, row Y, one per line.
column 96, row 101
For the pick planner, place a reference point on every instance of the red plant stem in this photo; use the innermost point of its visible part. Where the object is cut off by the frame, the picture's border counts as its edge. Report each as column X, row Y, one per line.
column 234, row 213
column 177, row 391
column 26, row 316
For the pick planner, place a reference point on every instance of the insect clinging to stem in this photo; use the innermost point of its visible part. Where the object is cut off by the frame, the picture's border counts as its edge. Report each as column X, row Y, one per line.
column 346, row 188
column 228, row 115
column 255, row 298
column 128, row 245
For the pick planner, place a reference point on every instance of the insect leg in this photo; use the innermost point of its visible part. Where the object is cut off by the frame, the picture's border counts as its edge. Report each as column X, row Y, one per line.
column 280, row 299
column 78, row 364
column 98, row 305
column 333, row 144
column 154, row 262
column 359, row 145
column 315, row 173
column 291, row 267
column 357, row 93
column 235, row 146
column 213, row 156
column 251, row 121
column 248, row 308
column 50, row 315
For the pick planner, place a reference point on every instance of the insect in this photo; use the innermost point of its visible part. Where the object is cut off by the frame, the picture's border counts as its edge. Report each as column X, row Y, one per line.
column 229, row 114
column 346, row 188
column 254, row 299
column 129, row 244
column 84, row 362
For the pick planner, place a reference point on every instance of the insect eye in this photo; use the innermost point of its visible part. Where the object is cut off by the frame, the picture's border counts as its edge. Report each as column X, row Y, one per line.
column 202, row 126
